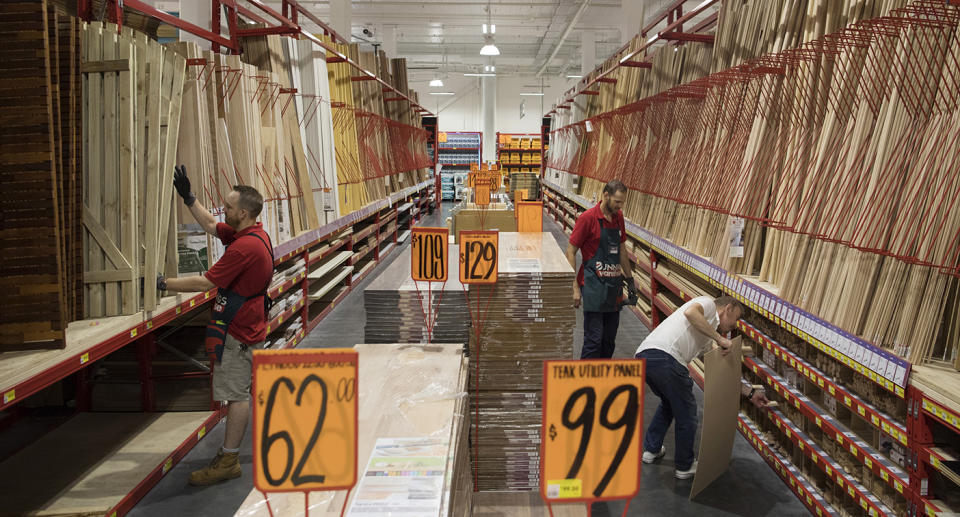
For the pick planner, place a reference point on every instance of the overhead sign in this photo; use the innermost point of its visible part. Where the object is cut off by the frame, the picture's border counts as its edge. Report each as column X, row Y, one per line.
column 479, row 251
column 428, row 254
column 591, row 428
column 305, row 419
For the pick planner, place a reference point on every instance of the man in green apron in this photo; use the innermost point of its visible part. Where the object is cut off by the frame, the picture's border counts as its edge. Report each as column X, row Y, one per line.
column 599, row 235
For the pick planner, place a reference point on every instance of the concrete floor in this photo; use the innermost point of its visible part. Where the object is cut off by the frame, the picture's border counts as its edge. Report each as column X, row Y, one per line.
column 749, row 488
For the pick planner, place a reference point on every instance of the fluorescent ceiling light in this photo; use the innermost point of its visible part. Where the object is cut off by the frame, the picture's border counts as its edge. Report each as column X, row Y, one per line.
column 533, row 94
column 484, row 28
column 493, row 29
column 489, row 68
column 574, row 77
column 479, row 75
column 436, row 82
column 442, row 93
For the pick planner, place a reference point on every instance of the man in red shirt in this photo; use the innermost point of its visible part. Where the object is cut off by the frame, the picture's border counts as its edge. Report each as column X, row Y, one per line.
column 238, row 325
column 599, row 235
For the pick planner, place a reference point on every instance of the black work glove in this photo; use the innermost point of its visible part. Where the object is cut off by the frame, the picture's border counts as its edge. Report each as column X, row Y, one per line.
column 632, row 287
column 161, row 283
column 182, row 183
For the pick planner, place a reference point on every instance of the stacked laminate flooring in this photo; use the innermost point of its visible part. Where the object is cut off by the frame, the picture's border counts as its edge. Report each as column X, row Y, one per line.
column 530, row 319
column 395, row 307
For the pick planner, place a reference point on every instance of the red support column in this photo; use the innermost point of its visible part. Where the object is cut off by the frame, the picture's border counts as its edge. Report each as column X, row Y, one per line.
column 146, row 347
column 84, row 389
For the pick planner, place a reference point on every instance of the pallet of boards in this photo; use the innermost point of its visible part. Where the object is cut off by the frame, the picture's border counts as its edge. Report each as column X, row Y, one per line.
column 132, row 92
column 529, row 320
column 408, row 393
column 41, row 268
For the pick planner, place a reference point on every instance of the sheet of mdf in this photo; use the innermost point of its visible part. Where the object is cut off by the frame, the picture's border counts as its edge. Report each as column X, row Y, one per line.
column 405, row 391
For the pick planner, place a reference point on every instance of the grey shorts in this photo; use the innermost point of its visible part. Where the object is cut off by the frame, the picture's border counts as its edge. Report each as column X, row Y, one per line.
column 233, row 374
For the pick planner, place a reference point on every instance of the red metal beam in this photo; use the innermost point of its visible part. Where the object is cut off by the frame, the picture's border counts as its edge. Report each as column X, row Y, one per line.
column 169, row 19
column 668, row 12
column 608, row 80
column 684, row 36
column 589, row 92
column 247, row 13
column 637, row 64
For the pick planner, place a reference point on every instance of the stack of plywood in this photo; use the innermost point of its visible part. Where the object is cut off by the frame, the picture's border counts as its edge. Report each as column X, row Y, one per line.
column 395, row 306
column 530, row 319
column 41, row 207
column 409, row 393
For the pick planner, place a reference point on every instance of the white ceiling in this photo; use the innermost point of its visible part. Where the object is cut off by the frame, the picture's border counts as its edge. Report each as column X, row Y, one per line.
column 444, row 36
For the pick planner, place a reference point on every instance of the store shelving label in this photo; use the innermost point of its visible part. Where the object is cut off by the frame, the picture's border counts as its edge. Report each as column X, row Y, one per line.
column 305, row 401
column 9, row 396
column 579, row 431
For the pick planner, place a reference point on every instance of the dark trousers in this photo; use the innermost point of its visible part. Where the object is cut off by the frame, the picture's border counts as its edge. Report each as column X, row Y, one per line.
column 670, row 380
column 599, row 334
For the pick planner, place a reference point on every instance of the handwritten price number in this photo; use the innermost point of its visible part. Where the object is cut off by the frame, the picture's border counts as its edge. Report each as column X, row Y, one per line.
column 429, row 260
column 586, row 419
column 346, row 390
column 477, row 255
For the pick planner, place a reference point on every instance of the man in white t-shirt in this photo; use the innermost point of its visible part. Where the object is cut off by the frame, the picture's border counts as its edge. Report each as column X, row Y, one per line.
column 680, row 338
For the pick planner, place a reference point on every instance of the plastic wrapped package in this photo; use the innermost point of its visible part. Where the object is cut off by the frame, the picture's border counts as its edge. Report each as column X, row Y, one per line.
column 413, row 397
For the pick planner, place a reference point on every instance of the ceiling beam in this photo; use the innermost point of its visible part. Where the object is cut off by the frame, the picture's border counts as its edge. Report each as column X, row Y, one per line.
column 563, row 37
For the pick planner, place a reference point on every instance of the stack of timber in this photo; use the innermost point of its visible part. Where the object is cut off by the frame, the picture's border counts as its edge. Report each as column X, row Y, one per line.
column 284, row 157
column 309, row 76
column 41, row 269
column 529, row 320
column 132, row 92
column 408, row 392
column 397, row 307
column 832, row 153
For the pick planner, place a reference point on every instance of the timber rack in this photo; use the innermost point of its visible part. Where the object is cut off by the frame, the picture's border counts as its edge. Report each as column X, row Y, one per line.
column 839, row 451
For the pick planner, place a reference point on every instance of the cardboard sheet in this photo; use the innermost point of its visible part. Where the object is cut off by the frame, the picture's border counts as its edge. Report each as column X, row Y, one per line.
column 721, row 403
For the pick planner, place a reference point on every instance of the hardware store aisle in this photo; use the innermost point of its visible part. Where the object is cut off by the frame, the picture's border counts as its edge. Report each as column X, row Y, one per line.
column 759, row 490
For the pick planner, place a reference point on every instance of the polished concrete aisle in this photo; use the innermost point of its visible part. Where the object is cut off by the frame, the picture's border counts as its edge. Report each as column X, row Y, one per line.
column 749, row 488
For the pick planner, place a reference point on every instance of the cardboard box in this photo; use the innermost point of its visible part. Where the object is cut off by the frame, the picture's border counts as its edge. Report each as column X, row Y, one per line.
column 493, row 219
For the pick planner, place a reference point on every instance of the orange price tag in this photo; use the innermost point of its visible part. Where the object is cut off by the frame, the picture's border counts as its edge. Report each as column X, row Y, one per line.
column 481, row 193
column 428, row 254
column 305, row 419
column 442, row 137
column 529, row 216
column 478, row 257
column 592, row 421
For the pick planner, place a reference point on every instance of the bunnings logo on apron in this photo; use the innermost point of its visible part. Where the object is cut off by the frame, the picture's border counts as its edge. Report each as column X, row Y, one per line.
column 602, row 276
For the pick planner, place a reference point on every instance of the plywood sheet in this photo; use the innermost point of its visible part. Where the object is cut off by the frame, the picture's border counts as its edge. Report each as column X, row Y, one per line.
column 405, row 391
column 721, row 402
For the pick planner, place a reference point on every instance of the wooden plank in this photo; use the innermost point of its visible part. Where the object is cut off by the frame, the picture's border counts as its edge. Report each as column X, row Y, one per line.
column 126, row 140
column 93, row 162
column 102, row 239
column 111, row 162
column 120, row 449
column 111, row 65
column 149, row 223
column 166, row 177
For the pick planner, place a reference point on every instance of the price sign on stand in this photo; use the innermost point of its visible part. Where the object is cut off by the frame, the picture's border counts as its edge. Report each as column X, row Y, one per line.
column 428, row 254
column 592, row 422
column 305, row 420
column 478, row 257
column 481, row 192
column 529, row 216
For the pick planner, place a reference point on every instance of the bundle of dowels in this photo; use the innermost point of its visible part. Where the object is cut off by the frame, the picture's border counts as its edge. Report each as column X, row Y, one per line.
column 832, row 139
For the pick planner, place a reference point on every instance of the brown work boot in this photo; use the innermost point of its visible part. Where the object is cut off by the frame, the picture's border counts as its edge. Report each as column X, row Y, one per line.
column 226, row 465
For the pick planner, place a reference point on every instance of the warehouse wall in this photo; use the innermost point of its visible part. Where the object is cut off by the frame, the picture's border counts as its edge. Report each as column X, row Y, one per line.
column 462, row 111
